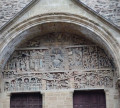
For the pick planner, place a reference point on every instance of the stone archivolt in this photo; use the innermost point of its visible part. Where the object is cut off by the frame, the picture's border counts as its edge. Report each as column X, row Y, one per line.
column 61, row 61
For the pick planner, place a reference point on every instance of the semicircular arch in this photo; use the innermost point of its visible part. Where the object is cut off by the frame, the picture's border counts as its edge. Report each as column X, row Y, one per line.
column 56, row 22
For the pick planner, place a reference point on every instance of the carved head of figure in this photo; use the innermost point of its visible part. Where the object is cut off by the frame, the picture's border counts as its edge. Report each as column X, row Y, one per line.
column 26, row 80
column 118, row 84
column 19, row 80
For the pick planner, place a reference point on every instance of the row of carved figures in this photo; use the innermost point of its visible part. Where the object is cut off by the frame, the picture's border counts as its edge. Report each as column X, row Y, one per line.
column 79, row 57
column 59, row 80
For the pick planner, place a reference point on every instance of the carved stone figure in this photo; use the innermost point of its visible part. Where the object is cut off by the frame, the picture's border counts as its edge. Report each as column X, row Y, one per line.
column 54, row 58
column 94, row 79
column 6, row 87
column 57, row 58
column 118, row 84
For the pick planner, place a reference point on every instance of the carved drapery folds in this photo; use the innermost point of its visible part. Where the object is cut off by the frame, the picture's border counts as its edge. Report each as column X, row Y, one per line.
column 56, row 58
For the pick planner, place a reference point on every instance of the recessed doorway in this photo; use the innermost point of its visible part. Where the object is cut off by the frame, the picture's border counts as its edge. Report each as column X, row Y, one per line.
column 89, row 99
column 26, row 100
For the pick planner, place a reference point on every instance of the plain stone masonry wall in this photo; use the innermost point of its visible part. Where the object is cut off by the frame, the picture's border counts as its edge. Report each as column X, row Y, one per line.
column 58, row 99
column 9, row 8
column 110, row 9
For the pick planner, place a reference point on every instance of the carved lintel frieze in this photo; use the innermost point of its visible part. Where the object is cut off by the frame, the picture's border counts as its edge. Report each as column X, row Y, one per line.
column 93, row 79
column 59, row 80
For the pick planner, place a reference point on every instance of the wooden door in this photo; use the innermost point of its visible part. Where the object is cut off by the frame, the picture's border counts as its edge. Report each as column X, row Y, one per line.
column 30, row 100
column 89, row 99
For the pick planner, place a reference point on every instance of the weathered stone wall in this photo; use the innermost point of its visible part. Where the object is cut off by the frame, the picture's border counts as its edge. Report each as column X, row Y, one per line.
column 9, row 8
column 58, row 99
column 110, row 9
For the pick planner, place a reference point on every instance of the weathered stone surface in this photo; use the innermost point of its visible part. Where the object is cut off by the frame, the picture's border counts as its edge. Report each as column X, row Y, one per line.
column 56, row 58
column 110, row 9
column 95, row 29
column 60, row 99
column 9, row 8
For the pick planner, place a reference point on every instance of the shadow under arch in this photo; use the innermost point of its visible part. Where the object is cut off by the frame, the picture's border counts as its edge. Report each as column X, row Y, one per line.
column 58, row 22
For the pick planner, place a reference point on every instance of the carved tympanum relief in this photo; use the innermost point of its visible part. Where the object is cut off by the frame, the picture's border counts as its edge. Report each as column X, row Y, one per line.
column 61, row 61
